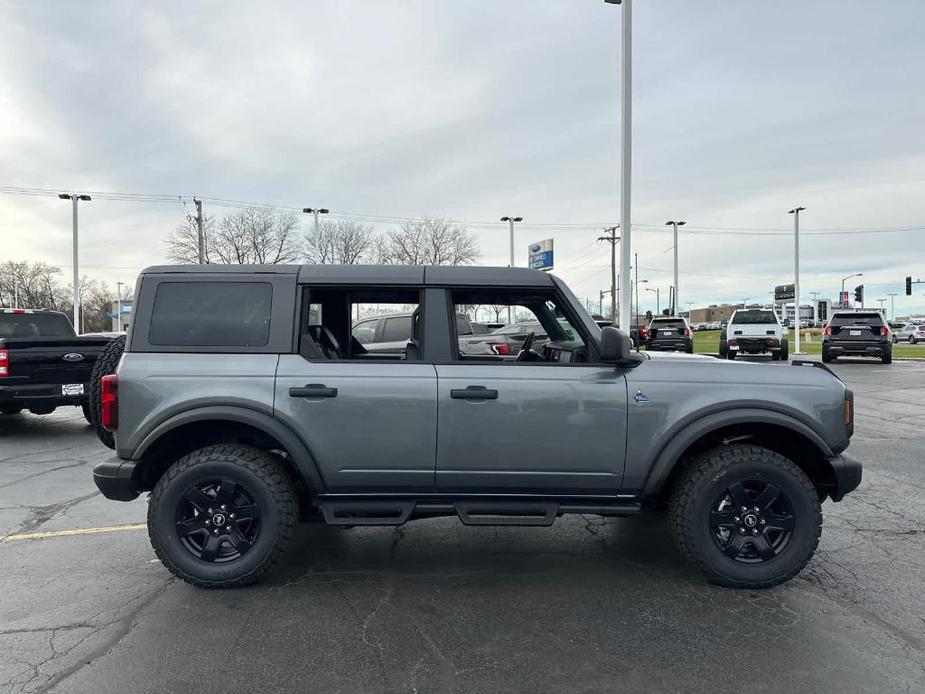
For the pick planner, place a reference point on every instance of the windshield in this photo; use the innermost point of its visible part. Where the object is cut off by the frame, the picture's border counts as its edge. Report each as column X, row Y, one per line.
column 668, row 323
column 35, row 325
column 755, row 317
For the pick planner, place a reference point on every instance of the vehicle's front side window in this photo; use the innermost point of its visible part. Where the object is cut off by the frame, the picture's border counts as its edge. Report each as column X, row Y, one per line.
column 537, row 328
column 365, row 331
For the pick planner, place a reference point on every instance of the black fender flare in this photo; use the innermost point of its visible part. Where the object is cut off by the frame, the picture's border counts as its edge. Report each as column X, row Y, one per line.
column 298, row 450
column 670, row 455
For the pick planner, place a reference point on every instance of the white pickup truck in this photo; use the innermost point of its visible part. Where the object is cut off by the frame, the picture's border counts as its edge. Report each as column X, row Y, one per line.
column 754, row 331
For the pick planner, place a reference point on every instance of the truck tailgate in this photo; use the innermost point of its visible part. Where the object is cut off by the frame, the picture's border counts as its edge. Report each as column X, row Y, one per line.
column 52, row 360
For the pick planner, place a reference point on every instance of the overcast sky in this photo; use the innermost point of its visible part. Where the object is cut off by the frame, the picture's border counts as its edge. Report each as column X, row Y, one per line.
column 474, row 110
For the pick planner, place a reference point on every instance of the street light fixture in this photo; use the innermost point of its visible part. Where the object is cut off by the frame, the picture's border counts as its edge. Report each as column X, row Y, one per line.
column 658, row 300
column 315, row 211
column 510, row 221
column 74, row 198
column 673, row 223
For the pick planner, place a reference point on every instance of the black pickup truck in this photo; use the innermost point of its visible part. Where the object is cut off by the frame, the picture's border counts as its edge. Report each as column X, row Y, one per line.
column 43, row 363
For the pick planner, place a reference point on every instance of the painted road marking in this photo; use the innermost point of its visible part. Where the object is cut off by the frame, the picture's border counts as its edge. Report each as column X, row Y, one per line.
column 73, row 531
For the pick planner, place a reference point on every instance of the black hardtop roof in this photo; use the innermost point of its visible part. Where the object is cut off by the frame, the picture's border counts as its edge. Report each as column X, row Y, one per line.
column 467, row 276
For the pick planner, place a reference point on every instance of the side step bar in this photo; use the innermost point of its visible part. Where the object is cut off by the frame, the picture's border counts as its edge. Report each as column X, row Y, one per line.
column 515, row 512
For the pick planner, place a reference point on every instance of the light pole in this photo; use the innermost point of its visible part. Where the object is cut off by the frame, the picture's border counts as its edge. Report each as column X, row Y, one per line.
column 689, row 304
column 892, row 305
column 658, row 301
column 637, row 292
column 626, row 153
column 119, row 310
column 796, row 275
column 856, row 274
column 74, row 198
column 882, row 301
column 315, row 211
column 745, row 302
column 510, row 221
column 675, row 224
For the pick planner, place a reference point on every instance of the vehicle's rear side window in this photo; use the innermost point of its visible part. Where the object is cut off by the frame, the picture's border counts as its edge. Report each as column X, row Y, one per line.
column 211, row 314
column 35, row 325
column 857, row 319
column 397, row 328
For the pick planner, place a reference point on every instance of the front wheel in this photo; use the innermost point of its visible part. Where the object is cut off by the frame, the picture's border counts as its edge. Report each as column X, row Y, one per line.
column 912, row 340
column 746, row 516
column 222, row 516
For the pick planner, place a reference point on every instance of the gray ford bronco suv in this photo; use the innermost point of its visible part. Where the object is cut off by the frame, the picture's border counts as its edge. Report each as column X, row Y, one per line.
column 243, row 404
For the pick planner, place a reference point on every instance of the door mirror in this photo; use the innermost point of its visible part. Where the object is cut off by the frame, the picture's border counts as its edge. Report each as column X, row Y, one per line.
column 616, row 346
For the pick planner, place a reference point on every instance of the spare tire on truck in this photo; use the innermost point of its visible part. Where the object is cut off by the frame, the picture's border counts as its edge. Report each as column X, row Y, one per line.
column 106, row 364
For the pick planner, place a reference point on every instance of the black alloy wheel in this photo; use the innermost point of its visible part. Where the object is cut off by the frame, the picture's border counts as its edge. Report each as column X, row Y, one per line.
column 752, row 521
column 217, row 521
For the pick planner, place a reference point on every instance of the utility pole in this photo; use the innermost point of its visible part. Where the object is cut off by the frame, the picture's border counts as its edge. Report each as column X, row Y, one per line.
column 796, row 276
column 892, row 305
column 201, row 238
column 613, row 239
column 510, row 220
column 74, row 198
column 673, row 223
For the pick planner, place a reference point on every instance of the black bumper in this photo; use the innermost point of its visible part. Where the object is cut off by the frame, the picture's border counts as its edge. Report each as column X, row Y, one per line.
column 116, row 479
column 668, row 345
column 39, row 396
column 848, row 472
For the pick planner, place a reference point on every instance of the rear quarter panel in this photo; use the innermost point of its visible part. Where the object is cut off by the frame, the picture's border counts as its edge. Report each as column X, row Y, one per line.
column 668, row 393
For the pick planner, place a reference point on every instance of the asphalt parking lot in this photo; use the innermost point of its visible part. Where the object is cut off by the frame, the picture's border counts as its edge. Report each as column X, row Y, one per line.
column 590, row 605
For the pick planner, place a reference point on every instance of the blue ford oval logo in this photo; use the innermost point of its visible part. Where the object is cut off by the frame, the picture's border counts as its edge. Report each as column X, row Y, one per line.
column 535, row 248
column 73, row 356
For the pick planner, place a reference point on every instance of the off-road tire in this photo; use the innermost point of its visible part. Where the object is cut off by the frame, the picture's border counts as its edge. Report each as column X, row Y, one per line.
column 105, row 364
column 730, row 353
column 887, row 356
column 784, row 353
column 272, row 491
column 703, row 481
column 88, row 415
column 722, row 349
column 826, row 357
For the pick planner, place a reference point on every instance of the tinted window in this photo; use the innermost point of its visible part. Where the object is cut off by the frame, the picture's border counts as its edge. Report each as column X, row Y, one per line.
column 35, row 325
column 857, row 319
column 211, row 314
column 668, row 323
column 463, row 327
column 397, row 329
column 755, row 317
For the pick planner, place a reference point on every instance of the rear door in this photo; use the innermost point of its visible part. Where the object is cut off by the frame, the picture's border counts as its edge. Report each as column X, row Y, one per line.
column 369, row 418
column 856, row 327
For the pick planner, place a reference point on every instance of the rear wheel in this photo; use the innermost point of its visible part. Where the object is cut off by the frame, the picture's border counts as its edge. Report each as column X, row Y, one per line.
column 723, row 350
column 887, row 357
column 85, row 408
column 784, row 349
column 912, row 340
column 222, row 516
column 826, row 357
column 10, row 410
column 730, row 354
column 746, row 516
column 106, row 364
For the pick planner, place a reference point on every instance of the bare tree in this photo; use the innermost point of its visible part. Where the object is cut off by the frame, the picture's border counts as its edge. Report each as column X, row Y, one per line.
column 429, row 241
column 344, row 243
column 36, row 285
column 249, row 236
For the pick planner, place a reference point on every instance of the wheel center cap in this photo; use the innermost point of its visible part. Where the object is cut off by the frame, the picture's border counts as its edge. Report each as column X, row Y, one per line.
column 751, row 520
column 219, row 519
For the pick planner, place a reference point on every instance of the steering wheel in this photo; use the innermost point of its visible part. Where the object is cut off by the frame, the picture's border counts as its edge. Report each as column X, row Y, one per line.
column 525, row 347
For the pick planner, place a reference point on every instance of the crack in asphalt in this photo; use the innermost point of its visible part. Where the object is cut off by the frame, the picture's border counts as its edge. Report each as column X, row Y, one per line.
column 81, row 463
column 39, row 515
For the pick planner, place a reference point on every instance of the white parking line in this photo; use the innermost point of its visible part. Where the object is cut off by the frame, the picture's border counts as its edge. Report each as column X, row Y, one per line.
column 74, row 531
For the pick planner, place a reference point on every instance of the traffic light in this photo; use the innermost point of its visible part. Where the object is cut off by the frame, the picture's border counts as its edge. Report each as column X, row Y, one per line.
column 908, row 286
column 859, row 294
column 648, row 315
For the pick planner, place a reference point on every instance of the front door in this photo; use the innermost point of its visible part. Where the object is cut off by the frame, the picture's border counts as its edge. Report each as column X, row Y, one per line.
column 537, row 419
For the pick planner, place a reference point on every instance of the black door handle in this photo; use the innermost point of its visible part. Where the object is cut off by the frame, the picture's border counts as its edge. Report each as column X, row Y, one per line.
column 474, row 393
column 313, row 390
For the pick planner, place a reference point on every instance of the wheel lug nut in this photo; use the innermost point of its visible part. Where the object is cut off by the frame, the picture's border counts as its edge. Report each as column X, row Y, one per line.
column 223, row 507
column 215, row 531
column 210, row 510
column 743, row 509
column 755, row 532
column 762, row 521
column 231, row 515
column 756, row 509
column 741, row 531
column 208, row 523
column 736, row 519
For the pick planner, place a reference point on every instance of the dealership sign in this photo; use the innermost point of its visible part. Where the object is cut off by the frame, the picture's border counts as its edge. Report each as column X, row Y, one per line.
column 540, row 255
column 782, row 292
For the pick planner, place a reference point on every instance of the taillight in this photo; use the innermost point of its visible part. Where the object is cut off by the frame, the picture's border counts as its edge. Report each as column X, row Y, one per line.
column 109, row 402
column 502, row 348
column 884, row 331
column 643, row 332
column 687, row 333
column 4, row 363
column 828, row 330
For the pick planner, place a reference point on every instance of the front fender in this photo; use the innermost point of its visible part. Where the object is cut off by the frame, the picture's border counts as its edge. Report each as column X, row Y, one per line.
column 692, row 431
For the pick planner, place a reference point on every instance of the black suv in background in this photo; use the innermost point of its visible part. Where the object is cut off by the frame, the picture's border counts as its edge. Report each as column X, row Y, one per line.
column 857, row 334
column 672, row 334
